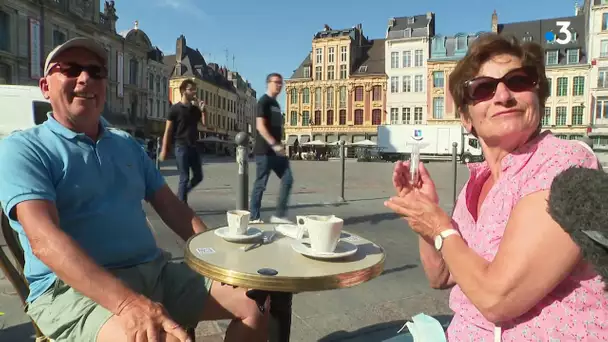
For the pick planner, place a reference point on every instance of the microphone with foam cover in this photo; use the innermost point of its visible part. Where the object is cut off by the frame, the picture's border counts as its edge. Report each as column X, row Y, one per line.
column 578, row 202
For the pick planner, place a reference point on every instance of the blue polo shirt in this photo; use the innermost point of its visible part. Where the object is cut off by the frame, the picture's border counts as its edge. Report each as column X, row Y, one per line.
column 97, row 187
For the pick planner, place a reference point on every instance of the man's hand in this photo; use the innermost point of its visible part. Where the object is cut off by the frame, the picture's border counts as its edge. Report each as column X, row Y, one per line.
column 163, row 155
column 144, row 320
column 279, row 150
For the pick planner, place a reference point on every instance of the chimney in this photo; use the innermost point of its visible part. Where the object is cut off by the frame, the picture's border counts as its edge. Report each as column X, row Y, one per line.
column 391, row 22
column 326, row 27
column 578, row 10
column 494, row 22
column 429, row 15
column 180, row 48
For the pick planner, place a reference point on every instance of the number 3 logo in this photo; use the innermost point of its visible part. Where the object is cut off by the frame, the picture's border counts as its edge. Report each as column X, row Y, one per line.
column 564, row 25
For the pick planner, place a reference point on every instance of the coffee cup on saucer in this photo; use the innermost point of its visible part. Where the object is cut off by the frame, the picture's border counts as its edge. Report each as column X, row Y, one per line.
column 323, row 231
column 238, row 221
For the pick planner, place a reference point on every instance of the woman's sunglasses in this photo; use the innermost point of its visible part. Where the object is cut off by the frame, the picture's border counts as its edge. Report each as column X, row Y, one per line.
column 517, row 80
column 73, row 70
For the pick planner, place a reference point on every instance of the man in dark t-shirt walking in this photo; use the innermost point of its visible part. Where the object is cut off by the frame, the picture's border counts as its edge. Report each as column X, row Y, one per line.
column 270, row 153
column 181, row 129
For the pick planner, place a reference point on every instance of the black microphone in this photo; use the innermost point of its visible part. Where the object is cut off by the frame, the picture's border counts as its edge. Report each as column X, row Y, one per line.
column 578, row 202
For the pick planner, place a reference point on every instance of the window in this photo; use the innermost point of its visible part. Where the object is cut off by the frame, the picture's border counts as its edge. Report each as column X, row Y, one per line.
column 601, row 108
column 330, row 72
column 5, row 34
column 552, row 57
column 418, row 116
column 318, row 97
column 546, row 120
column 331, row 55
column 461, row 43
column 418, row 58
column 407, row 84
column 330, row 117
column 562, row 86
column 58, row 38
column 165, row 86
column 602, row 78
column 363, row 68
column 343, row 54
column 561, row 114
column 438, row 108
column 329, row 98
column 358, row 117
column 407, row 59
column 604, row 21
column 394, row 116
column 5, row 73
column 319, row 59
column 41, row 109
column 438, row 79
column 406, row 115
column 158, row 86
column 577, row 115
column 573, row 56
column 394, row 60
column 418, row 83
column 305, row 118
column 578, row 86
column 550, row 85
column 376, row 117
column 377, row 93
column 293, row 96
column 318, row 73
column 343, row 71
column 307, row 72
column 306, row 96
column 317, row 120
column 133, row 66
column 394, row 84
column 342, row 97
column 358, row 93
column 342, row 117
column 604, row 48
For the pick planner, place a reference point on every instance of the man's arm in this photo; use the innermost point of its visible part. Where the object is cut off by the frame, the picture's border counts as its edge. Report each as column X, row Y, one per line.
column 57, row 250
column 176, row 214
column 168, row 135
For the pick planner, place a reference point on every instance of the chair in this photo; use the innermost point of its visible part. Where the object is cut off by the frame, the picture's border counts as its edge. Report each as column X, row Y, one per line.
column 14, row 271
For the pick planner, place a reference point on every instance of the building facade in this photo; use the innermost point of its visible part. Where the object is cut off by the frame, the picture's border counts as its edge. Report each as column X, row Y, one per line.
column 407, row 52
column 158, row 93
column 226, row 104
column 339, row 90
column 30, row 30
column 598, row 75
column 566, row 112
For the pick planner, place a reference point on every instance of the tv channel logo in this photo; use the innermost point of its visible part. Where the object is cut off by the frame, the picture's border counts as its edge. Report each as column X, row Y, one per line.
column 417, row 134
column 564, row 35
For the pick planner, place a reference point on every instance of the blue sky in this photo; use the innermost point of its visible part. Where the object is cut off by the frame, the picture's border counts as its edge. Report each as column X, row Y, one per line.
column 275, row 35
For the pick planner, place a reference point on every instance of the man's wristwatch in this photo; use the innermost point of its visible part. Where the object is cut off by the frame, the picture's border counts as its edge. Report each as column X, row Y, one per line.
column 442, row 236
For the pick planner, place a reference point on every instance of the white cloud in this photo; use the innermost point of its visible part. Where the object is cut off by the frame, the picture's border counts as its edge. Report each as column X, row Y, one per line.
column 185, row 7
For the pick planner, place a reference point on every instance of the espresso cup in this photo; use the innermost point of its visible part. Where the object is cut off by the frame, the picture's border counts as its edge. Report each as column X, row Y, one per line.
column 238, row 221
column 323, row 231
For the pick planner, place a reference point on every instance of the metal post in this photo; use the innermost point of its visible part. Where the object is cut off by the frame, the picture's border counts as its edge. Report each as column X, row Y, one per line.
column 242, row 190
column 158, row 153
column 343, row 169
column 455, row 165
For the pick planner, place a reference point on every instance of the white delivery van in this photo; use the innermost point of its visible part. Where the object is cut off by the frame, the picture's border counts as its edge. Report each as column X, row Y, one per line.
column 21, row 107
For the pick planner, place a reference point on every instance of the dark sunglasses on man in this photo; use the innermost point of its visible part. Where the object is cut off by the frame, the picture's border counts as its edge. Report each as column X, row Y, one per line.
column 517, row 80
column 73, row 70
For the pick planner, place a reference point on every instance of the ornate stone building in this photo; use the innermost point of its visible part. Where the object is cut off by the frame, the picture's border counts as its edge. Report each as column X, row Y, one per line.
column 339, row 90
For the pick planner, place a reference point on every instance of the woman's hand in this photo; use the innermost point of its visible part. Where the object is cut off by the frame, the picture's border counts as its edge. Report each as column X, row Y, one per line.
column 403, row 186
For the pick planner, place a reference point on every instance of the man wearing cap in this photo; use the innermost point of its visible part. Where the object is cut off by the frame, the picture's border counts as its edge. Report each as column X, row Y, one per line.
column 73, row 189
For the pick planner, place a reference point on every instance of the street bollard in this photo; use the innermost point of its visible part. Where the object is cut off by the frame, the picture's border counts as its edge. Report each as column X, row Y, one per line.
column 343, row 169
column 455, row 165
column 242, row 187
column 158, row 153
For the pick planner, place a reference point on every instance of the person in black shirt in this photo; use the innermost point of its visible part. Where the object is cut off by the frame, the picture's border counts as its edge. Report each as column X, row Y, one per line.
column 181, row 129
column 270, row 153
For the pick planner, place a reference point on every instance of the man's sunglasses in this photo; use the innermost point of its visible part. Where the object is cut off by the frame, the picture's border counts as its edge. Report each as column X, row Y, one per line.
column 517, row 80
column 73, row 70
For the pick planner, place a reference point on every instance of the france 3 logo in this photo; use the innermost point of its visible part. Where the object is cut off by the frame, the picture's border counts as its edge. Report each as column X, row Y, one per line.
column 564, row 35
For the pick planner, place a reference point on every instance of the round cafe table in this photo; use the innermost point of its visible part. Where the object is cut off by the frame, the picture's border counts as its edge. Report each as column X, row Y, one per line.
column 275, row 269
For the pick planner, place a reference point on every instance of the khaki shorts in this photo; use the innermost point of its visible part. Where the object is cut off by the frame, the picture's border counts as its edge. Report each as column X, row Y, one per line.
column 66, row 315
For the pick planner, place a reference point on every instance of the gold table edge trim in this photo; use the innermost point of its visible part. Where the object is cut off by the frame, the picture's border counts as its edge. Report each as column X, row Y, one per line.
column 282, row 284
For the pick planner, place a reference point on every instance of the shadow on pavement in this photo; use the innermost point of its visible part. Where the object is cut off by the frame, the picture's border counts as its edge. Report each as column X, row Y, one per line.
column 371, row 218
column 399, row 269
column 377, row 332
column 22, row 332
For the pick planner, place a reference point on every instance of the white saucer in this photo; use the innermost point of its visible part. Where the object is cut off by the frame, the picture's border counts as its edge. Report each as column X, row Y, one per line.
column 343, row 249
column 251, row 234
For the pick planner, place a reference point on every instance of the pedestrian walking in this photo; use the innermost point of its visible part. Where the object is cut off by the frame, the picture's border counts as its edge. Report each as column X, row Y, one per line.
column 270, row 153
column 182, row 131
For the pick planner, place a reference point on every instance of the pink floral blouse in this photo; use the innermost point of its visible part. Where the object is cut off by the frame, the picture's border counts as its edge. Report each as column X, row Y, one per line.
column 577, row 310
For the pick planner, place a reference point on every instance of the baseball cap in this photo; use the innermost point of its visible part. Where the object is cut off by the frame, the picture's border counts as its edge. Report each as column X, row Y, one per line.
column 78, row 42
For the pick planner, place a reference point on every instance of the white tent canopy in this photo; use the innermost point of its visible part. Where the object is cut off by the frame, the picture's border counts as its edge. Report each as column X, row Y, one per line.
column 365, row 142
column 315, row 143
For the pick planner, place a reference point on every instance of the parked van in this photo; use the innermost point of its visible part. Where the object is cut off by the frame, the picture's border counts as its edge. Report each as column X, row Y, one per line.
column 21, row 107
